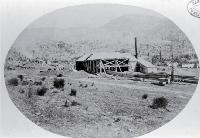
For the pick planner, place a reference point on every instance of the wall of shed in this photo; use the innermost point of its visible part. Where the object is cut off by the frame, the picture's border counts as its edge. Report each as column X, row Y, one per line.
column 93, row 66
column 151, row 70
column 132, row 65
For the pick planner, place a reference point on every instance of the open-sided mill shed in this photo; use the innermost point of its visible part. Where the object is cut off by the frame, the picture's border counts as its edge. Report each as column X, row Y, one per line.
column 100, row 62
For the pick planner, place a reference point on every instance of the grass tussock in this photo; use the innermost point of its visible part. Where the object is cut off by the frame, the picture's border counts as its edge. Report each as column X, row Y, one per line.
column 74, row 103
column 13, row 82
column 145, row 96
column 160, row 102
column 66, row 104
column 21, row 77
column 59, row 75
column 43, row 78
column 59, row 83
column 25, row 83
column 73, row 92
column 93, row 84
column 41, row 91
column 37, row 83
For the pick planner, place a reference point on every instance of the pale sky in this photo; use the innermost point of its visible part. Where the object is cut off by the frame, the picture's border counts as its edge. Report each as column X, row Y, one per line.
column 87, row 16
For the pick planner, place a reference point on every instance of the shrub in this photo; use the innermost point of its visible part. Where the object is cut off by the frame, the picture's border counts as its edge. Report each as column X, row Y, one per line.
column 144, row 96
column 13, row 82
column 74, row 103
column 92, row 84
column 41, row 91
column 25, row 83
column 59, row 83
column 37, row 83
column 160, row 102
column 66, row 104
column 29, row 92
column 59, row 75
column 117, row 120
column 22, row 91
column 86, row 85
column 43, row 78
column 21, row 77
column 73, row 92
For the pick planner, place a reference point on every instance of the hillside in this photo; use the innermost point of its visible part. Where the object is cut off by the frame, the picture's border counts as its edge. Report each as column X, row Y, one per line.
column 153, row 33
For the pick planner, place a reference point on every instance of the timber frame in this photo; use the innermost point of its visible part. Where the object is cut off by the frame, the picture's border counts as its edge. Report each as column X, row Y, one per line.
column 102, row 65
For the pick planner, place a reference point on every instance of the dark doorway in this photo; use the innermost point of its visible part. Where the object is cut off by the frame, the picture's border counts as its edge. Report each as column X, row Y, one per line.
column 80, row 66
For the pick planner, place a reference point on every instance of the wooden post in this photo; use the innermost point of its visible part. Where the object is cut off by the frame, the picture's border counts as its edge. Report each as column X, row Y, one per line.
column 93, row 66
column 100, row 66
column 172, row 64
column 119, row 66
column 97, row 66
column 103, row 67
column 90, row 65
column 87, row 66
column 115, row 65
column 136, row 51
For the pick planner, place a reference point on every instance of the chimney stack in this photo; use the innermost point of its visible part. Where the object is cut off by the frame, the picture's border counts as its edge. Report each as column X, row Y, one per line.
column 136, row 52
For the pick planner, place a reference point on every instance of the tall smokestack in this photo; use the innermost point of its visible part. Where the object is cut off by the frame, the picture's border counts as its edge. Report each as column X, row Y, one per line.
column 136, row 52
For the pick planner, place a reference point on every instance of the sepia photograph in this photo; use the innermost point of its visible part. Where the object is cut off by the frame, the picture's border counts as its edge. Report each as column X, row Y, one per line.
column 101, row 71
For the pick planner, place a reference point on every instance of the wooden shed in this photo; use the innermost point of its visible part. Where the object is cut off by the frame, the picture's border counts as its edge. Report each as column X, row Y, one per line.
column 100, row 62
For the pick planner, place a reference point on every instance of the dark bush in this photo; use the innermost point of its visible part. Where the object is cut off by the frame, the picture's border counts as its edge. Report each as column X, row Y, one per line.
column 43, row 78
column 81, row 85
column 117, row 120
column 13, row 82
column 59, row 83
column 59, row 75
column 21, row 77
column 66, row 104
column 41, row 91
column 74, row 103
column 29, row 92
column 92, row 84
column 25, row 83
column 144, row 96
column 37, row 83
column 73, row 92
column 55, row 92
column 160, row 102
column 22, row 91
column 86, row 85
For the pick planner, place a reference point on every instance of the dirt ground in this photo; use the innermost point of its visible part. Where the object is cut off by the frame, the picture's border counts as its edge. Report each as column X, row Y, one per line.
column 104, row 108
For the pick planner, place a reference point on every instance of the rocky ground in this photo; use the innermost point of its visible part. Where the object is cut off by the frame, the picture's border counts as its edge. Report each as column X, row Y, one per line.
column 87, row 106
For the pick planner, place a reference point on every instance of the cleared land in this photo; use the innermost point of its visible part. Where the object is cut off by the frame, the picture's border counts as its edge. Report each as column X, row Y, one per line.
column 102, row 107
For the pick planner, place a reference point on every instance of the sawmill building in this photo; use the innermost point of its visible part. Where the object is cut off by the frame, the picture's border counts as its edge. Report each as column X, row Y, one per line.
column 100, row 62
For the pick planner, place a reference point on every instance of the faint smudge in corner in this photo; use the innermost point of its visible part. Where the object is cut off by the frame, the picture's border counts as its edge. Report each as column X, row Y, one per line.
column 194, row 8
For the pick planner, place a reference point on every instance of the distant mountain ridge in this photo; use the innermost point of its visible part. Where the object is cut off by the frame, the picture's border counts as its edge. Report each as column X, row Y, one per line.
column 152, row 32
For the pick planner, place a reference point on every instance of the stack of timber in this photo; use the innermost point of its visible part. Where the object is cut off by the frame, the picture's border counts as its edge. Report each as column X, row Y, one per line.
column 161, row 77
column 186, row 79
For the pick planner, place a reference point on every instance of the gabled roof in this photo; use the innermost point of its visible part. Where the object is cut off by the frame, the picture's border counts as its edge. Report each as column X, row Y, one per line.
column 107, row 55
column 115, row 55
column 84, row 57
